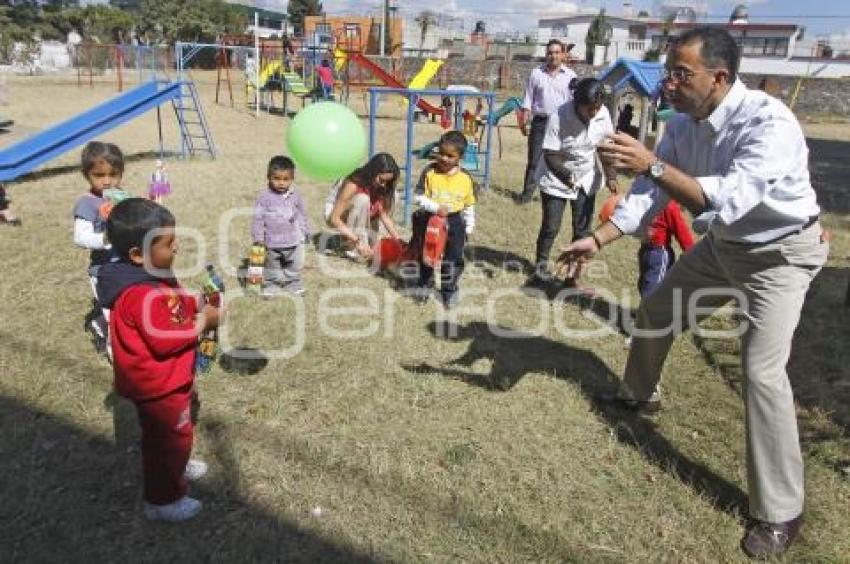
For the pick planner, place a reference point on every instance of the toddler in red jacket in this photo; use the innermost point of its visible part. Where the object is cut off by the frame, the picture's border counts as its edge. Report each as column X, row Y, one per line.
column 154, row 329
column 656, row 255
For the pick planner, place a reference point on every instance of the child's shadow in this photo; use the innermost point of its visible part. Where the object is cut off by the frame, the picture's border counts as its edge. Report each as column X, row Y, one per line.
column 514, row 354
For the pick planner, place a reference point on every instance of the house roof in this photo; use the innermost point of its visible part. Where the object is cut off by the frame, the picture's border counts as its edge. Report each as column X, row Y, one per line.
column 556, row 21
column 642, row 76
column 727, row 26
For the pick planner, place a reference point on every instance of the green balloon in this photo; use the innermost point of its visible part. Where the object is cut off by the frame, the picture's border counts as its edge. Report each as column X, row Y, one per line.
column 326, row 140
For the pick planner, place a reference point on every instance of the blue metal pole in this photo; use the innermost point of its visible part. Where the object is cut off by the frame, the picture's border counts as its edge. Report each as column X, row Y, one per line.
column 487, row 155
column 459, row 103
column 408, row 161
column 373, row 96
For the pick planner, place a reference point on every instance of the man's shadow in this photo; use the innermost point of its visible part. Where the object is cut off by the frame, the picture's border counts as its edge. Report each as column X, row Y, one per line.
column 514, row 354
column 591, row 302
column 491, row 263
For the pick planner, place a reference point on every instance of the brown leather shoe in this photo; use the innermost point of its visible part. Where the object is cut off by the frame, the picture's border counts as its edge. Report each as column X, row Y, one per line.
column 765, row 540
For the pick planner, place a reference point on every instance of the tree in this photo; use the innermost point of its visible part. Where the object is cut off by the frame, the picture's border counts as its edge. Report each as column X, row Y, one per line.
column 654, row 54
column 426, row 19
column 297, row 9
column 200, row 20
column 597, row 34
column 95, row 23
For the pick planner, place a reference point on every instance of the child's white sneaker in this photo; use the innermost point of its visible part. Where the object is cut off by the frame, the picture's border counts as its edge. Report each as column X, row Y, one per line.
column 181, row 510
column 195, row 470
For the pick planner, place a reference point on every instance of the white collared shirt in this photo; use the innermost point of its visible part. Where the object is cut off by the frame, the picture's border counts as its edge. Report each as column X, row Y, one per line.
column 545, row 92
column 751, row 160
column 566, row 132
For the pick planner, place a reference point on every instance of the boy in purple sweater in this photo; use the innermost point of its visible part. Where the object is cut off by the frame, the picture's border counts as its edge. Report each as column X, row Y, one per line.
column 281, row 225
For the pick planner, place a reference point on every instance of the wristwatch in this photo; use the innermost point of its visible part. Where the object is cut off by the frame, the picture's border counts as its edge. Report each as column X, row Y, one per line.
column 656, row 170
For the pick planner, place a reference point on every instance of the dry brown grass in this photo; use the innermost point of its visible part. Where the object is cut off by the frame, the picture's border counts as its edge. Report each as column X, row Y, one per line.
column 397, row 438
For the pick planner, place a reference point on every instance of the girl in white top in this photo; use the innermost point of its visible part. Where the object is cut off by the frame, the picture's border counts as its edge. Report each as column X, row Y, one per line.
column 570, row 169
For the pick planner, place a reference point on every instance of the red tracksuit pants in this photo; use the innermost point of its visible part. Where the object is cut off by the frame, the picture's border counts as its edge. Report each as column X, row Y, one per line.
column 167, row 433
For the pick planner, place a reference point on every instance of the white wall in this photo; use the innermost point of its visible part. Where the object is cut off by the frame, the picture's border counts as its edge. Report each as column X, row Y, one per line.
column 621, row 45
column 821, row 68
column 434, row 36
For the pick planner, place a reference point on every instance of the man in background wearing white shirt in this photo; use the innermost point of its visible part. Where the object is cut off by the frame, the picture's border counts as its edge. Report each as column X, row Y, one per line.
column 547, row 90
column 737, row 158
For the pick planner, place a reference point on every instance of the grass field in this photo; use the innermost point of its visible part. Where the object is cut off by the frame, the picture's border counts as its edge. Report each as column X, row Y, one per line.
column 392, row 446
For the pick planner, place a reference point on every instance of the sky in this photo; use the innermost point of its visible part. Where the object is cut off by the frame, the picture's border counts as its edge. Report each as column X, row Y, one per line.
column 820, row 17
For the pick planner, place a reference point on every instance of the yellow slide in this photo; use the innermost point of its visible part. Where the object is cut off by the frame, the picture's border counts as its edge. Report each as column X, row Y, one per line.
column 269, row 71
column 424, row 76
column 428, row 71
column 340, row 58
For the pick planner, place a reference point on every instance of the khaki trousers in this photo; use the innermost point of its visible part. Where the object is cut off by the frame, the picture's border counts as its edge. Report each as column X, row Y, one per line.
column 771, row 281
column 357, row 219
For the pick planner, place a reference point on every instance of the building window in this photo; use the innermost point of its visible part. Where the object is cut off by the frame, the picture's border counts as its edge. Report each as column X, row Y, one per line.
column 661, row 42
column 763, row 46
column 637, row 32
column 352, row 31
column 750, row 46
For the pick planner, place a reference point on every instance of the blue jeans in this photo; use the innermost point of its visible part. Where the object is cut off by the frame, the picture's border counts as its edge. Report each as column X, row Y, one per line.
column 654, row 263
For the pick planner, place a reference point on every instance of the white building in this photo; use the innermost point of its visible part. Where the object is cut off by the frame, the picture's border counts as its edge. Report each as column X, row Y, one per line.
column 766, row 48
column 443, row 28
column 627, row 36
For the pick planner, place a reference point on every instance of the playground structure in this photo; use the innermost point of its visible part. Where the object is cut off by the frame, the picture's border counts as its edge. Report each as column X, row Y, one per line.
column 266, row 65
column 351, row 64
column 195, row 135
column 453, row 114
column 643, row 78
column 185, row 54
column 392, row 82
column 272, row 65
column 119, row 60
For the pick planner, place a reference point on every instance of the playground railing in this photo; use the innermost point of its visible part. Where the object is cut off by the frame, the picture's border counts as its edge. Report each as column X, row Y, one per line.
column 456, row 119
column 120, row 64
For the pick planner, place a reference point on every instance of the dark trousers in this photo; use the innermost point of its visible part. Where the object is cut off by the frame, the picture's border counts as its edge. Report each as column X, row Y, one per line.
column 451, row 267
column 553, row 213
column 535, row 153
column 654, row 263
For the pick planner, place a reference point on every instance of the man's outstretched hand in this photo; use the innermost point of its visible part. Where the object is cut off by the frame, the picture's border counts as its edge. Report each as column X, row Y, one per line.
column 571, row 262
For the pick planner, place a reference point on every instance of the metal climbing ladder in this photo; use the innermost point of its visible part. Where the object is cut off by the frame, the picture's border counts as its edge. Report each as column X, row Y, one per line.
column 195, row 135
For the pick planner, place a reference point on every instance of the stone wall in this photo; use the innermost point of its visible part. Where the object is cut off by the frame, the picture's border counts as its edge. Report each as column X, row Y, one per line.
column 818, row 96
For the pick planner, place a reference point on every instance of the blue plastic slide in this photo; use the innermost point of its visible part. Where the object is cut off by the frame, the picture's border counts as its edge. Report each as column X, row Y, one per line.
column 26, row 155
column 512, row 104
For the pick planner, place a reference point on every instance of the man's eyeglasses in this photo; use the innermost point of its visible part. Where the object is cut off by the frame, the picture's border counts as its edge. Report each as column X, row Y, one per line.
column 683, row 75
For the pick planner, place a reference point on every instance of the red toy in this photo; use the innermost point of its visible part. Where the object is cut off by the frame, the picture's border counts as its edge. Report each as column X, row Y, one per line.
column 389, row 252
column 436, row 236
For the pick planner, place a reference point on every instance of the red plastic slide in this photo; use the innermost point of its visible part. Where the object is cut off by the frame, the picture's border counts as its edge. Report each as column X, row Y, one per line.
column 390, row 81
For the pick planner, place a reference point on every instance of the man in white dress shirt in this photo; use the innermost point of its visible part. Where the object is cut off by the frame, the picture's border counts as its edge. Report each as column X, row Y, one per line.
column 547, row 90
column 738, row 160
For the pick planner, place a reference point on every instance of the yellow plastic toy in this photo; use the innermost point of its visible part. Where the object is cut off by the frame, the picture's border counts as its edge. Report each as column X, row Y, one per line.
column 256, row 264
